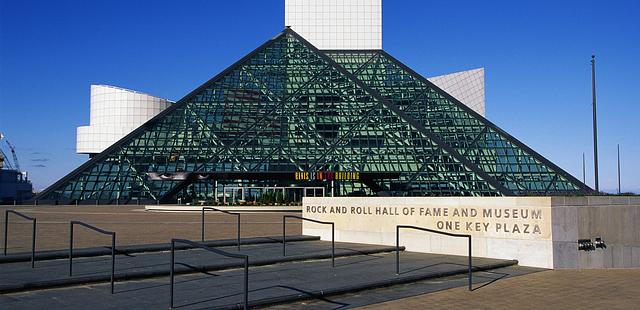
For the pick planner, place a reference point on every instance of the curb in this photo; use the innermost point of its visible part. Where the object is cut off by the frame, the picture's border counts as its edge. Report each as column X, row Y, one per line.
column 143, row 248
column 249, row 209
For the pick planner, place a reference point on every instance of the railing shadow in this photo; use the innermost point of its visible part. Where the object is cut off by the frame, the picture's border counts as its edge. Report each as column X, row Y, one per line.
column 244, row 257
column 355, row 259
column 502, row 276
column 469, row 247
column 159, row 285
column 199, row 269
column 311, row 295
column 429, row 266
column 120, row 270
column 299, row 249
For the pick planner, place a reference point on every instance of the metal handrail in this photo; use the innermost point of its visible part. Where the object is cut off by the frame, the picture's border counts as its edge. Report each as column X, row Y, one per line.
column 33, row 235
column 432, row 231
column 217, row 251
column 333, row 243
column 102, row 231
column 223, row 211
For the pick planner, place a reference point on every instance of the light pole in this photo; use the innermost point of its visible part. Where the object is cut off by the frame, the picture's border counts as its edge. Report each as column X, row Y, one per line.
column 584, row 170
column 619, row 189
column 595, row 124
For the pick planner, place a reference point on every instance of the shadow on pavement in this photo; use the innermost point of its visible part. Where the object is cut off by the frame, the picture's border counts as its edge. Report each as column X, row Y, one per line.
column 310, row 295
column 500, row 277
column 429, row 266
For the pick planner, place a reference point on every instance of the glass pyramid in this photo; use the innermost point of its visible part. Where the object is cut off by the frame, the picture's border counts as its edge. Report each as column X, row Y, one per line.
column 288, row 107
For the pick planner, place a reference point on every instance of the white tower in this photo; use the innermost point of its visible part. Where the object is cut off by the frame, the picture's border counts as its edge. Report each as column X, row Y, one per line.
column 357, row 25
column 336, row 24
column 115, row 112
column 466, row 86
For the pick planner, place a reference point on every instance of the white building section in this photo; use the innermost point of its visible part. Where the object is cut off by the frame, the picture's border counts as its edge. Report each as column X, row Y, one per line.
column 115, row 112
column 466, row 86
column 337, row 24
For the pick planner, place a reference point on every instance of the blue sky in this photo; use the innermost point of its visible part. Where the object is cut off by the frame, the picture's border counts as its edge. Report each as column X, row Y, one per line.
column 535, row 54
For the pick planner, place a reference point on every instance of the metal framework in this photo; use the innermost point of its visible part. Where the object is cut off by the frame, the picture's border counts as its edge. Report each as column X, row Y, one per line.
column 501, row 157
column 288, row 107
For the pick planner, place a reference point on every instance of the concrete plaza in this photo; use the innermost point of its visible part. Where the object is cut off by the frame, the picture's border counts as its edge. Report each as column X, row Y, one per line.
column 509, row 287
column 550, row 289
column 133, row 225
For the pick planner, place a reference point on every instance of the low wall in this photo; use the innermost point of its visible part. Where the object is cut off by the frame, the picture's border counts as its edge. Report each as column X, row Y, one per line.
column 176, row 208
column 537, row 231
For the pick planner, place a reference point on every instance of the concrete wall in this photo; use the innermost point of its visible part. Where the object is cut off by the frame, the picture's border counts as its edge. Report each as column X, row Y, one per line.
column 615, row 219
column 537, row 231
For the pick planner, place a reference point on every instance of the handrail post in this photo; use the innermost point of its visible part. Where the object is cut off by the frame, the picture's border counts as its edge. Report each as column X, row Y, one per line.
column 223, row 211
column 333, row 245
column 202, row 227
column 33, row 245
column 284, row 241
column 113, row 260
column 397, row 250
column 194, row 244
column 246, row 283
column 470, row 274
column 113, row 248
column 171, row 276
column 6, row 229
column 470, row 258
column 71, row 249
column 333, row 234
column 238, row 232
column 33, row 233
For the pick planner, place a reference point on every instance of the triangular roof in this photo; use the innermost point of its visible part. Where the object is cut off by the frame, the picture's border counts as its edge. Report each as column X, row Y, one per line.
column 519, row 168
column 288, row 106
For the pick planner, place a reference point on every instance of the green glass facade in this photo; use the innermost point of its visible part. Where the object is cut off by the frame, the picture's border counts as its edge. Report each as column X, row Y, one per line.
column 288, row 107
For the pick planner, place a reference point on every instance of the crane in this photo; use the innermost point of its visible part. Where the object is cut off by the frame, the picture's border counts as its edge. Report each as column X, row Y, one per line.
column 4, row 159
column 13, row 154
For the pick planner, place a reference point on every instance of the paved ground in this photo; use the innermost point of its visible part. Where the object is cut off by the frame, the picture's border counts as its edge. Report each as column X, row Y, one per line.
column 133, row 225
column 553, row 289
column 550, row 289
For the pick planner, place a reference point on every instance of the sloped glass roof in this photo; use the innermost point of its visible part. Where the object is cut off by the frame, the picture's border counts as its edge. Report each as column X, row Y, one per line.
column 288, row 107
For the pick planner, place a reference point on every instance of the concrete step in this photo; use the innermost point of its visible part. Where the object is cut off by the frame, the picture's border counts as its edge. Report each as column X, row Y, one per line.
column 18, row 277
column 142, row 248
column 268, row 285
column 395, row 292
column 363, row 286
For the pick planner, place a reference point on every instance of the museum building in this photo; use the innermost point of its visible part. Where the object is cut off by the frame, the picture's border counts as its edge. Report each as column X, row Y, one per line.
column 288, row 115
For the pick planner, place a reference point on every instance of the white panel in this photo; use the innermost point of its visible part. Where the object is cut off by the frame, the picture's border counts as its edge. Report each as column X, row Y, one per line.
column 337, row 24
column 114, row 113
column 466, row 86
